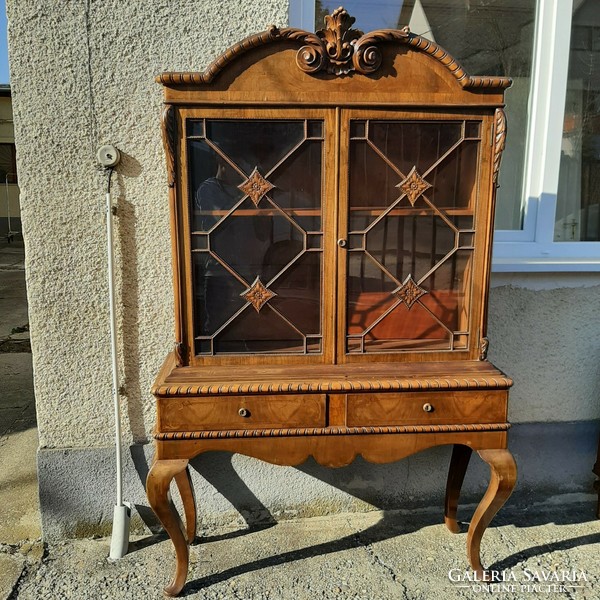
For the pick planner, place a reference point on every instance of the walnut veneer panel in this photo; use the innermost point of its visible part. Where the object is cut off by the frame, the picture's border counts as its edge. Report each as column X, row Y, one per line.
column 426, row 408
column 241, row 412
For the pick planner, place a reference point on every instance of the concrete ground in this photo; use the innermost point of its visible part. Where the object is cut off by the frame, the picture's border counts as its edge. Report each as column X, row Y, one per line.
column 372, row 556
column 20, row 533
column 550, row 551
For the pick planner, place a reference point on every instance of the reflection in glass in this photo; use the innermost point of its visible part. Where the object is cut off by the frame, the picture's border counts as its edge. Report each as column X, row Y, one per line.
column 314, row 129
column 454, row 179
column 195, row 127
column 369, row 293
column 216, row 294
column 578, row 202
column 253, row 143
column 411, row 194
column 213, row 185
column 407, row 143
column 247, row 240
column 298, row 185
column 449, row 291
column 298, row 293
column 256, row 276
column 410, row 245
column 405, row 328
column 372, row 184
column 259, row 332
column 358, row 129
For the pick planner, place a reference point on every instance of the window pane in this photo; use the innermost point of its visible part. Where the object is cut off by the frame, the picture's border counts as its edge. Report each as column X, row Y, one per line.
column 577, row 211
column 488, row 37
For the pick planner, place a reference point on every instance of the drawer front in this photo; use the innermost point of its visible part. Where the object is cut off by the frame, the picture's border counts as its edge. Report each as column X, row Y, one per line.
column 241, row 412
column 422, row 408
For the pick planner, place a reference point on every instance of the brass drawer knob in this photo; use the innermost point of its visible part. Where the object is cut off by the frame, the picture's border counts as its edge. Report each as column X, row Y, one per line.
column 244, row 412
column 427, row 407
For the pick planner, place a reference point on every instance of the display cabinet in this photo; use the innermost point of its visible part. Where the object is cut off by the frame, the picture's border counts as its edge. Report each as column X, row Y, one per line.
column 332, row 201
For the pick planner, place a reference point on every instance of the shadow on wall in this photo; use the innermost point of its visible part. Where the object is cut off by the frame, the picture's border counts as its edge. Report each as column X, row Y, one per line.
column 378, row 486
column 129, row 167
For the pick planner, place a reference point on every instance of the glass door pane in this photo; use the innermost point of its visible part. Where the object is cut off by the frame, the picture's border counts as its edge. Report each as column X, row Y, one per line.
column 412, row 192
column 256, row 235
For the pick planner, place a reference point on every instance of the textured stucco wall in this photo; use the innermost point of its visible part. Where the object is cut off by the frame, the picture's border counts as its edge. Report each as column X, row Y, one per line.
column 548, row 340
column 82, row 75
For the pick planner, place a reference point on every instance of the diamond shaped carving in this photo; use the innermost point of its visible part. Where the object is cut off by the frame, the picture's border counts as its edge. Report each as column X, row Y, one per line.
column 257, row 294
column 409, row 292
column 413, row 186
column 256, row 186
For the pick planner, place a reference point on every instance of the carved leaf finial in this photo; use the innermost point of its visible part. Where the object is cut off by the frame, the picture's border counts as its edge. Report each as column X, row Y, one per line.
column 339, row 38
column 499, row 141
column 169, row 131
column 483, row 348
column 180, row 354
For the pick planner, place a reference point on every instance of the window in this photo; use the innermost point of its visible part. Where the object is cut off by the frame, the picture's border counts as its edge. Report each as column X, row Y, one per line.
column 548, row 209
column 577, row 214
column 8, row 164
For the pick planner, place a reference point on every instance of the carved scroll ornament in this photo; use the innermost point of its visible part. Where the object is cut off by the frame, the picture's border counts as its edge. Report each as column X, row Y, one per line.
column 337, row 49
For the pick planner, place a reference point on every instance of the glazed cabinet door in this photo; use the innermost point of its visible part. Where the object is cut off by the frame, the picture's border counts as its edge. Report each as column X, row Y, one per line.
column 415, row 194
column 257, row 260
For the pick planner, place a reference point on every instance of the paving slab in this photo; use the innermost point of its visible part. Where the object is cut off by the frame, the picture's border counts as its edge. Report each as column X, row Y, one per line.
column 17, row 401
column 12, row 255
column 19, row 504
column 11, row 567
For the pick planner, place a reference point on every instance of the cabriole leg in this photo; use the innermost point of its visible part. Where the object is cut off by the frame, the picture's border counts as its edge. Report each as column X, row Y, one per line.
column 186, row 491
column 456, row 475
column 502, row 481
column 157, row 488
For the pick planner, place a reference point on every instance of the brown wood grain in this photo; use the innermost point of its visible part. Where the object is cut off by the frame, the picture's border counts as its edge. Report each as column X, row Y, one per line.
column 426, row 408
column 223, row 412
column 411, row 394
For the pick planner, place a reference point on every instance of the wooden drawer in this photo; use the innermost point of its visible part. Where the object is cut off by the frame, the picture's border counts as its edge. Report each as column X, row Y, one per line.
column 426, row 408
column 241, row 412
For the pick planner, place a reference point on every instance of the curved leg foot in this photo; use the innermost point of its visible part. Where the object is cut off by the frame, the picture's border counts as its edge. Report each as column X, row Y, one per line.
column 456, row 475
column 157, row 488
column 186, row 491
column 502, row 481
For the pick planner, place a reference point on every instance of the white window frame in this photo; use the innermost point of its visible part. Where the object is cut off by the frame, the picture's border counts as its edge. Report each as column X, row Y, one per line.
column 532, row 248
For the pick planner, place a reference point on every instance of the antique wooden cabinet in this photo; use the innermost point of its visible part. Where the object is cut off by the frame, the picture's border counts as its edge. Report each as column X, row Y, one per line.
column 332, row 200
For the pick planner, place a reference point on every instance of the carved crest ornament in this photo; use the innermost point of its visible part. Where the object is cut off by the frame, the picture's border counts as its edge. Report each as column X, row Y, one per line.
column 339, row 49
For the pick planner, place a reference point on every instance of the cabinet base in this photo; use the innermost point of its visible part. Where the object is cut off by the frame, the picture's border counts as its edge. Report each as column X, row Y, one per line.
column 292, row 451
